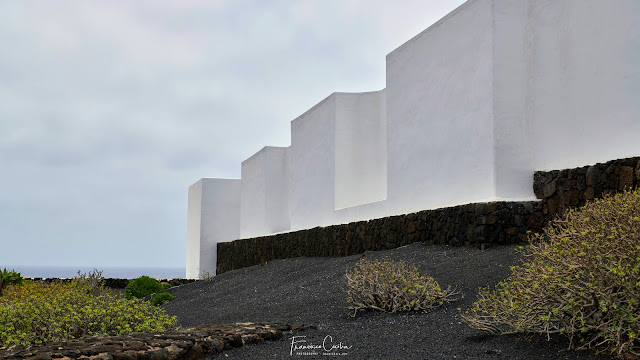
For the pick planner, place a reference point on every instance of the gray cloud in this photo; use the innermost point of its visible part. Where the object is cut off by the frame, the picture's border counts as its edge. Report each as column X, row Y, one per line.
column 109, row 110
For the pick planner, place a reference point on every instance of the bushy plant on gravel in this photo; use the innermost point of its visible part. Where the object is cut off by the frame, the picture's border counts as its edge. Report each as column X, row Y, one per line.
column 161, row 298
column 141, row 287
column 392, row 286
column 92, row 280
column 9, row 278
column 580, row 278
column 38, row 313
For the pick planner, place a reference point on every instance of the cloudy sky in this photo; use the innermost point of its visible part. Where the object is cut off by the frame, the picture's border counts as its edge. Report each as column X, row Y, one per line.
column 109, row 110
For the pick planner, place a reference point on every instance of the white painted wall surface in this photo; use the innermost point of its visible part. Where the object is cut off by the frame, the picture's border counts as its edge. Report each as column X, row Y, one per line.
column 214, row 216
column 194, row 219
column 312, row 166
column 583, row 89
column 361, row 149
column 566, row 86
column 439, row 113
column 337, row 161
column 474, row 105
column 253, row 217
column 513, row 163
column 265, row 193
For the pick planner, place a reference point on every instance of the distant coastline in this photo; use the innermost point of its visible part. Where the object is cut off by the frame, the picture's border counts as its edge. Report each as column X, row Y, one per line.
column 107, row 272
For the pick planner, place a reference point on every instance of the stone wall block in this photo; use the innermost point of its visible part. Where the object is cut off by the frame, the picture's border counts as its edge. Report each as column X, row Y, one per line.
column 625, row 178
column 549, row 189
column 593, row 175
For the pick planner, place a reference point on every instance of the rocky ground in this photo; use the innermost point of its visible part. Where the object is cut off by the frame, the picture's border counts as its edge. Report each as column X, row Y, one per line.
column 177, row 344
column 311, row 291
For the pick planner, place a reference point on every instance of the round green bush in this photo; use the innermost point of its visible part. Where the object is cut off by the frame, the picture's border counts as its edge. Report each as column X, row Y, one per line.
column 392, row 286
column 141, row 287
column 581, row 278
column 161, row 298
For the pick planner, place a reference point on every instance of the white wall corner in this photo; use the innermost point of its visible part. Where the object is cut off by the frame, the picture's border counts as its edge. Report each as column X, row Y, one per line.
column 265, row 193
column 213, row 217
column 360, row 149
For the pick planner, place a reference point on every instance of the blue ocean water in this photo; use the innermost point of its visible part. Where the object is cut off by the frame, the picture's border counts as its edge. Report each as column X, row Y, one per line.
column 107, row 272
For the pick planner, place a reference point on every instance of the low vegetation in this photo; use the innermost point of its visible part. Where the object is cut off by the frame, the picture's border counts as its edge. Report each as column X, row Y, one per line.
column 392, row 286
column 580, row 278
column 207, row 276
column 161, row 298
column 37, row 313
column 9, row 278
column 92, row 280
column 142, row 286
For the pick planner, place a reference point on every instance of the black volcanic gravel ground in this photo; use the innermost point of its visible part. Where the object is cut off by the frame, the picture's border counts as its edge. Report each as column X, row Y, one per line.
column 311, row 291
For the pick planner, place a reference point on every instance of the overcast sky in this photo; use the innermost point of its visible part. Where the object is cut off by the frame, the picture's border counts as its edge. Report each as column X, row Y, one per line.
column 109, row 110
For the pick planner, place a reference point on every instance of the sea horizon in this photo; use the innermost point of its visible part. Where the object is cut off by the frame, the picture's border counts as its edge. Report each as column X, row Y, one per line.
column 116, row 272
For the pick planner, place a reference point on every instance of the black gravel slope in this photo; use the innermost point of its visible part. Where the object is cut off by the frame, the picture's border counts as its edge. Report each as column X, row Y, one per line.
column 311, row 291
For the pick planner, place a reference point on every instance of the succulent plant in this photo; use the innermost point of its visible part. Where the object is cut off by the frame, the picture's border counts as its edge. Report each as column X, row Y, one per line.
column 9, row 278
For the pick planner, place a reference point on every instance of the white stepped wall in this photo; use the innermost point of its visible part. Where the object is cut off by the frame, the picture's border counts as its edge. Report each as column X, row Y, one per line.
column 338, row 160
column 312, row 166
column 473, row 106
column 440, row 115
column 361, row 149
column 213, row 217
column 264, row 205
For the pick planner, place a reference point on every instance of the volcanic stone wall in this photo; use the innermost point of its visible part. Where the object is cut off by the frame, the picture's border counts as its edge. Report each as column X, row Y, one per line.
column 114, row 283
column 562, row 189
column 479, row 224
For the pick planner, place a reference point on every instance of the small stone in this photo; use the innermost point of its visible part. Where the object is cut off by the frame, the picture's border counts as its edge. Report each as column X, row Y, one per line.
column 157, row 355
column 535, row 222
column 593, row 175
column 104, row 357
column 504, row 214
column 625, row 178
column 518, row 221
column 72, row 353
column 549, row 189
column 194, row 353
column 411, row 227
column 490, row 207
column 123, row 356
column 252, row 339
column 511, row 231
column 572, row 198
column 236, row 341
column 589, row 193
column 479, row 234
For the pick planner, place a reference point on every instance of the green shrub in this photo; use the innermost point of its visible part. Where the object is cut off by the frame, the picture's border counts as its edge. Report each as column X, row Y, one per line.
column 141, row 287
column 581, row 278
column 392, row 286
column 37, row 313
column 161, row 298
column 9, row 278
